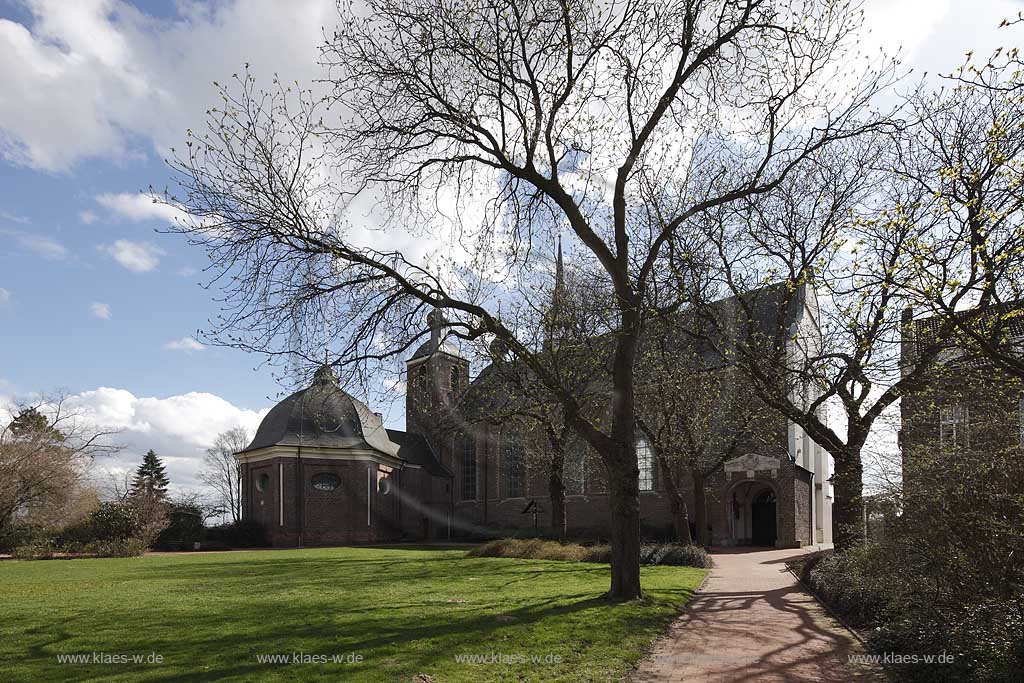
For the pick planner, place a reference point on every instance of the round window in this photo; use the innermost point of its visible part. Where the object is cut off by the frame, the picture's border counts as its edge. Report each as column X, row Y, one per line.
column 262, row 482
column 325, row 481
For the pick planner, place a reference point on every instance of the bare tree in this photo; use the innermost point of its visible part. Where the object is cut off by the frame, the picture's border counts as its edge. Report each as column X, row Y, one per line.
column 960, row 173
column 485, row 125
column 696, row 413
column 222, row 473
column 838, row 263
column 44, row 452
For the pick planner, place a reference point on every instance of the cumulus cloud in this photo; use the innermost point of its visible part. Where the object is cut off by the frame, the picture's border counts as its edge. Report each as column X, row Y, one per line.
column 178, row 428
column 186, row 344
column 88, row 217
column 138, row 257
column 99, row 78
column 100, row 310
column 5, row 296
column 139, row 207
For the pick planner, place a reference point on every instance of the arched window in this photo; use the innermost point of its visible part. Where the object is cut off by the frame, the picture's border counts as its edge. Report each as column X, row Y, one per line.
column 468, row 470
column 453, row 378
column 645, row 461
column 514, row 471
column 574, row 474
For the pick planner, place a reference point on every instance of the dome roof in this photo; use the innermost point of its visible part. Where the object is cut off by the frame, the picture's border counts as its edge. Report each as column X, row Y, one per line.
column 323, row 415
column 430, row 347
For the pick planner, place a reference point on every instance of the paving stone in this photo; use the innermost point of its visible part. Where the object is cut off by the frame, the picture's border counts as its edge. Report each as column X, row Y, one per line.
column 752, row 622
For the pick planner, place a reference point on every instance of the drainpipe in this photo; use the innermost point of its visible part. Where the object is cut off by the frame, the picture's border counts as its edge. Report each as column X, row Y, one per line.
column 487, row 469
column 299, row 498
column 812, row 538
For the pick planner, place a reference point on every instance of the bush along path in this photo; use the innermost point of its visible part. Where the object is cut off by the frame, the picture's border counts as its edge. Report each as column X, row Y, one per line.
column 752, row 621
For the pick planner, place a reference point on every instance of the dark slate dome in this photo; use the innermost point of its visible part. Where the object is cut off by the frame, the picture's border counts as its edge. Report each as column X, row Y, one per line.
column 430, row 347
column 323, row 415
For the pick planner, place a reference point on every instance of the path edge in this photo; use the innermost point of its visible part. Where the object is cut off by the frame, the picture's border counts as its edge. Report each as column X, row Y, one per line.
column 842, row 622
column 648, row 651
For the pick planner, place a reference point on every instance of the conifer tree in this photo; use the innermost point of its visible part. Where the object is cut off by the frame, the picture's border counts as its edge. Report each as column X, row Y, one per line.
column 150, row 477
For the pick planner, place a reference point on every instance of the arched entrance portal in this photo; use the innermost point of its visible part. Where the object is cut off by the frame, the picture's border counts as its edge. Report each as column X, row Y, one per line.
column 753, row 513
column 762, row 519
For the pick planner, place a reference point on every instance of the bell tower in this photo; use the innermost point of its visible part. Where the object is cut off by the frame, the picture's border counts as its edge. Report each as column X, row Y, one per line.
column 436, row 375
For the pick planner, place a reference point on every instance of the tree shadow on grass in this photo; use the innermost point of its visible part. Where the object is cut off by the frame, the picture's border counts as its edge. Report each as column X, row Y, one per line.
column 210, row 619
column 419, row 643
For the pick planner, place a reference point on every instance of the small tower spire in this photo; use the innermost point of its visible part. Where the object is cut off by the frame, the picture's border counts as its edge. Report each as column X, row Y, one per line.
column 559, row 270
column 556, row 313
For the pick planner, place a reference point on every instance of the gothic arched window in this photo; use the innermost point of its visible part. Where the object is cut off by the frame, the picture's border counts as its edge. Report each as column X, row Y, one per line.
column 575, row 472
column 515, row 471
column 468, row 470
column 645, row 462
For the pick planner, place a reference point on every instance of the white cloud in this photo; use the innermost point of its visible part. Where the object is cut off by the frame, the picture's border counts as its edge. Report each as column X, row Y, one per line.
column 186, row 344
column 179, row 428
column 88, row 217
column 41, row 245
column 5, row 296
column 98, row 78
column 139, row 207
column 187, row 271
column 138, row 257
column 100, row 310
column 13, row 217
column 903, row 25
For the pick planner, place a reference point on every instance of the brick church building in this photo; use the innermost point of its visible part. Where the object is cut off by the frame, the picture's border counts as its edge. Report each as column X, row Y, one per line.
column 322, row 468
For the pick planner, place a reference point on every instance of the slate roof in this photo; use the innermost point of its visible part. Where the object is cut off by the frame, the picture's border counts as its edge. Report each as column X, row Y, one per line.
column 413, row 448
column 430, row 347
column 323, row 415
column 766, row 304
column 1004, row 321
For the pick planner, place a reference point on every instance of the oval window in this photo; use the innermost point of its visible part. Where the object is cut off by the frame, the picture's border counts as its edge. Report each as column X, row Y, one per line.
column 384, row 487
column 325, row 481
column 262, row 482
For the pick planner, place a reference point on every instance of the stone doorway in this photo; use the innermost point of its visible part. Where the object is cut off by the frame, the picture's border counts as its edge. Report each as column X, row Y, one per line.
column 753, row 514
column 762, row 519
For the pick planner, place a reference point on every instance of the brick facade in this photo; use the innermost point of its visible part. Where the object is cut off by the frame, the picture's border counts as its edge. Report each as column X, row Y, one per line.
column 465, row 479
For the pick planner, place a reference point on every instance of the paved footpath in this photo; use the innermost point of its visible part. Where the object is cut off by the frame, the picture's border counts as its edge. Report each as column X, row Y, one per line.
column 751, row 622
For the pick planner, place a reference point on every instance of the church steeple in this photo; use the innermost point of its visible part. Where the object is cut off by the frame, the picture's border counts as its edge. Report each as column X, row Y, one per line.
column 559, row 271
column 556, row 322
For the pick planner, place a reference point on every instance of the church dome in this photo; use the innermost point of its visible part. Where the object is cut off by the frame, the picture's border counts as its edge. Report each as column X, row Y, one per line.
column 324, row 416
column 430, row 347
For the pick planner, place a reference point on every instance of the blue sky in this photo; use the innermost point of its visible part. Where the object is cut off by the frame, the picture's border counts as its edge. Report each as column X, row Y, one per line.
column 92, row 95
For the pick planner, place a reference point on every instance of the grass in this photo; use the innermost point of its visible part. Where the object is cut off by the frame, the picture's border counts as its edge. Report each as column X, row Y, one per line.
column 407, row 612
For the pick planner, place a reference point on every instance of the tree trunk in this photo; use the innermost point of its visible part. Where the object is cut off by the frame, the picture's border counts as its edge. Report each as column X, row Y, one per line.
column 676, row 502
column 623, row 472
column 848, row 506
column 624, row 497
column 236, row 504
column 700, row 512
column 556, row 491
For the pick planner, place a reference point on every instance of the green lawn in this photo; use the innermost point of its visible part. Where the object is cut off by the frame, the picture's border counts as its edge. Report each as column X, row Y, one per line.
column 405, row 612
